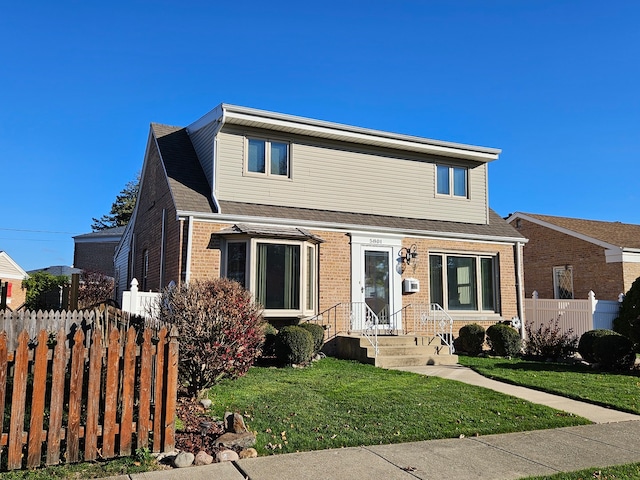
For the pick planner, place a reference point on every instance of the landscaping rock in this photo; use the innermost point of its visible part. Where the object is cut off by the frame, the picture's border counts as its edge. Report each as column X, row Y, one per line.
column 242, row 440
column 248, row 453
column 227, row 456
column 234, row 423
column 203, row 458
column 183, row 459
column 206, row 403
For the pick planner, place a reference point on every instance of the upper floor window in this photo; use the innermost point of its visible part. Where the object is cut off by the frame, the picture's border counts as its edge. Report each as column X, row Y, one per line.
column 268, row 157
column 452, row 181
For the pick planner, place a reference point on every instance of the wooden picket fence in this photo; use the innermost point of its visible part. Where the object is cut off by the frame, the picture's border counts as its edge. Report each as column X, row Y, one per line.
column 85, row 400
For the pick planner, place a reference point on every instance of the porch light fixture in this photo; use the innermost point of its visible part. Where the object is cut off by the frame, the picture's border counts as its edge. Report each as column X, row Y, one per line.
column 409, row 255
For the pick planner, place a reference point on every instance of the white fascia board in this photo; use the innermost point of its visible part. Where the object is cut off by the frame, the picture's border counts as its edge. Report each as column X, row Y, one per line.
column 621, row 255
column 372, row 137
column 338, row 131
column 343, row 227
column 566, row 231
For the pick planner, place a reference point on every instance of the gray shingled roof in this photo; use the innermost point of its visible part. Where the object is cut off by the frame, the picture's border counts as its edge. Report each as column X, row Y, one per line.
column 270, row 231
column 615, row 233
column 192, row 193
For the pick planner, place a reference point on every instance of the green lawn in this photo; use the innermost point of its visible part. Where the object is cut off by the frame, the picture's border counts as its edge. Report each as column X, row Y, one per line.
column 580, row 382
column 338, row 403
column 619, row 472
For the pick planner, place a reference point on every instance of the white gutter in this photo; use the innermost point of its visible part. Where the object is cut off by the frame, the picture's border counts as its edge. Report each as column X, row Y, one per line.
column 162, row 239
column 519, row 287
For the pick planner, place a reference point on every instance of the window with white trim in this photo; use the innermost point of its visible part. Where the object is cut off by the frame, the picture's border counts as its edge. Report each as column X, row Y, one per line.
column 563, row 282
column 282, row 274
column 268, row 157
column 464, row 282
column 452, row 181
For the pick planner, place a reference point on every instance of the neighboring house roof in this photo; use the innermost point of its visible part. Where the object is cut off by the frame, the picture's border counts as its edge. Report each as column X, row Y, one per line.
column 192, row 196
column 106, row 235
column 607, row 234
column 58, row 270
column 9, row 269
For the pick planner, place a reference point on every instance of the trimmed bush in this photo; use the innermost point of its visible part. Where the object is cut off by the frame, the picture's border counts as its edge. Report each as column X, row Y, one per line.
column 548, row 341
column 269, row 348
column 294, row 345
column 470, row 339
column 587, row 340
column 504, row 340
column 607, row 348
column 628, row 321
column 221, row 330
column 614, row 352
column 317, row 332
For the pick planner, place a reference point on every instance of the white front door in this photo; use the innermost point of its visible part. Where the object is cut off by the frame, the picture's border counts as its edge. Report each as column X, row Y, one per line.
column 375, row 281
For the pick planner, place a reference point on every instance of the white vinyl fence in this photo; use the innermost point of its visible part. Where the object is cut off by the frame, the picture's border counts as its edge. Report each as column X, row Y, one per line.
column 578, row 315
column 140, row 303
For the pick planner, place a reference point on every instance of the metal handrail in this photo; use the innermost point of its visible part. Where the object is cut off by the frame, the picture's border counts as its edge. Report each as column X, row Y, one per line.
column 440, row 326
column 319, row 319
column 362, row 315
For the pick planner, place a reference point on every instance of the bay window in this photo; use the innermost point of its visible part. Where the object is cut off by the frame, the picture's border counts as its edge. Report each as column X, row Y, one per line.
column 464, row 282
column 281, row 274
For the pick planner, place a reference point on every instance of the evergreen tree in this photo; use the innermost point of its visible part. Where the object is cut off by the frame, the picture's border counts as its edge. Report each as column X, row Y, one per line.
column 121, row 209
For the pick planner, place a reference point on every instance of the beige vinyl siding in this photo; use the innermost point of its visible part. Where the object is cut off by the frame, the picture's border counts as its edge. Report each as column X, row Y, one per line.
column 338, row 177
column 202, row 141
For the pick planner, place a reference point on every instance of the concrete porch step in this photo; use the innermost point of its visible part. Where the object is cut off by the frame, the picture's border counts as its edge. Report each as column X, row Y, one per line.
column 395, row 351
column 383, row 361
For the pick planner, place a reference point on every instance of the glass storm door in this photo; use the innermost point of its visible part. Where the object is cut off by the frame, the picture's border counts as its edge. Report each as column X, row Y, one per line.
column 377, row 274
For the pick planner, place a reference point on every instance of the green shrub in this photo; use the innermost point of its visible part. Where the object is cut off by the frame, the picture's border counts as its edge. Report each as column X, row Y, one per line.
column 317, row 332
column 221, row 330
column 269, row 348
column 548, row 341
column 470, row 339
column 587, row 340
column 628, row 321
column 294, row 345
column 607, row 348
column 504, row 340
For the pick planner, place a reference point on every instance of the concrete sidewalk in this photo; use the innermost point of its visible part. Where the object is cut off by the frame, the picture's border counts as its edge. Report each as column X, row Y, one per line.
column 612, row 440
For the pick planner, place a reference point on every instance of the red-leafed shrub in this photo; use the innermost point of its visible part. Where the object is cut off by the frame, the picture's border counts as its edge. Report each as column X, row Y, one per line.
column 221, row 330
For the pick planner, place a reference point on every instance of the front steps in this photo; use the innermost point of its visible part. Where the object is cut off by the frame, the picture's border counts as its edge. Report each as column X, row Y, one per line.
column 395, row 351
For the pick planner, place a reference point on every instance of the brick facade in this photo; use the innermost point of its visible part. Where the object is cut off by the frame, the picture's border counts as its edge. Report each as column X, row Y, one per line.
column 18, row 294
column 548, row 248
column 95, row 256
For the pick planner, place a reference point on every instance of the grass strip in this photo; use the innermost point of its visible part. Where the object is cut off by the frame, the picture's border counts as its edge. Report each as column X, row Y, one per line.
column 618, row 472
column 617, row 390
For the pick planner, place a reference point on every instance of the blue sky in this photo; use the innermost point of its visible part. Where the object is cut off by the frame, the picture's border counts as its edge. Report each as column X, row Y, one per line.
column 554, row 84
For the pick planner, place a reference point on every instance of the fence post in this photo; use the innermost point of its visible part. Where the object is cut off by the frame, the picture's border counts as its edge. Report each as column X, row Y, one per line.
column 133, row 297
column 592, row 307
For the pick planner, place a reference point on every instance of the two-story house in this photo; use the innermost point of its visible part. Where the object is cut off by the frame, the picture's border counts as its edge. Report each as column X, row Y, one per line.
column 309, row 214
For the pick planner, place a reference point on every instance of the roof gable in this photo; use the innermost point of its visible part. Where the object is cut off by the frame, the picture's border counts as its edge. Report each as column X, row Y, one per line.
column 10, row 269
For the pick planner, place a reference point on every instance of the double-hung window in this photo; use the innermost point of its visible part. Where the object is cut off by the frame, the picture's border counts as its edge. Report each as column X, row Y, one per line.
column 268, row 157
column 464, row 282
column 282, row 274
column 452, row 181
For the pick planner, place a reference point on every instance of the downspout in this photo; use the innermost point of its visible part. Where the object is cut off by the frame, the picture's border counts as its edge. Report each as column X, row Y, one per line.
column 519, row 286
column 162, row 241
column 187, row 275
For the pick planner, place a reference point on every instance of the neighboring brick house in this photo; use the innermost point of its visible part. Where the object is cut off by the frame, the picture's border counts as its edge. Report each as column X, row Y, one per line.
column 11, row 276
column 568, row 257
column 307, row 214
column 94, row 251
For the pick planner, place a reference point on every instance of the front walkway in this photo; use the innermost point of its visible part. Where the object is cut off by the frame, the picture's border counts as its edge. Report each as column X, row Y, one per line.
column 464, row 374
